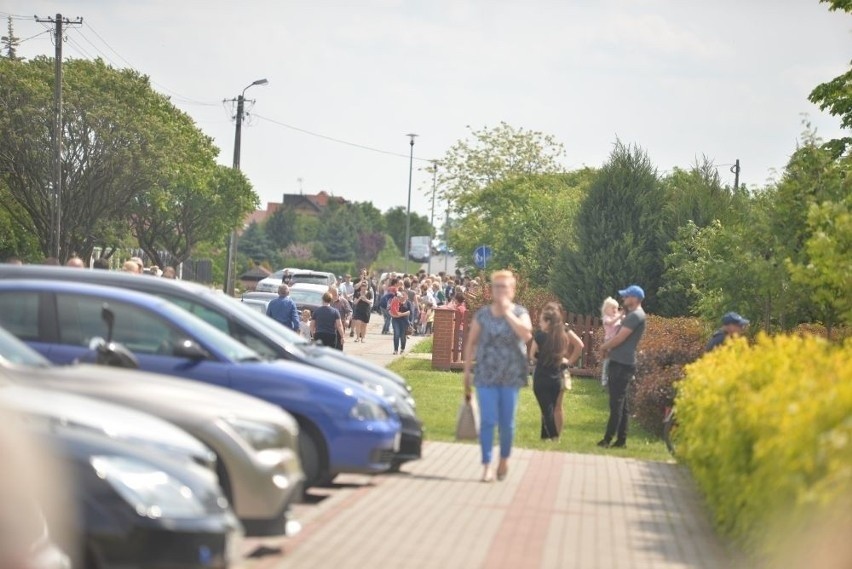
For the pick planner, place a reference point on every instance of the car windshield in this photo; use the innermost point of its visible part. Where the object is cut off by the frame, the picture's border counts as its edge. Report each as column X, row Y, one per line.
column 209, row 336
column 301, row 296
column 15, row 352
column 309, row 279
column 277, row 275
column 270, row 327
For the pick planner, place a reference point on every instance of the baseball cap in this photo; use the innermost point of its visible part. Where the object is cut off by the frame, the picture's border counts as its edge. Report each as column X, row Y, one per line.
column 633, row 290
column 733, row 318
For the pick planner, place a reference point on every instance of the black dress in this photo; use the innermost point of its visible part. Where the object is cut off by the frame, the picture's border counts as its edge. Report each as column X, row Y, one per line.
column 362, row 309
column 547, row 384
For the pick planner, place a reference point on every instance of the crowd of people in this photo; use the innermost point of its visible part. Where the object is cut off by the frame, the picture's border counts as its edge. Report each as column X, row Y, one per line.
column 134, row 265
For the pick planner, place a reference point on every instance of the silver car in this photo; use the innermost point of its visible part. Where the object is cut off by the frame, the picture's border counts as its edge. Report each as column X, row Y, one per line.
column 255, row 442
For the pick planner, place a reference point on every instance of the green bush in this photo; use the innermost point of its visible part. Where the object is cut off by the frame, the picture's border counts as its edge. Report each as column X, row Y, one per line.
column 767, row 431
column 666, row 347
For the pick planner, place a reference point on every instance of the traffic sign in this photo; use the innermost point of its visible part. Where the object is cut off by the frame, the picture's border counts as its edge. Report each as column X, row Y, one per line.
column 481, row 256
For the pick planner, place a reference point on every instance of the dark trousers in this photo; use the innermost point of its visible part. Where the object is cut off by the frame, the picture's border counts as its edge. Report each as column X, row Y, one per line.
column 330, row 340
column 387, row 321
column 619, row 411
column 400, row 325
column 547, row 389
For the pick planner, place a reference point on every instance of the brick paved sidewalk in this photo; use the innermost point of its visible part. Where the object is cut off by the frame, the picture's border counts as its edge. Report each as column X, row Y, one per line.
column 554, row 510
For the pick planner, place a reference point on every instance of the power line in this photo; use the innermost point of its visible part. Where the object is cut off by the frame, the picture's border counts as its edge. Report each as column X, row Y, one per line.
column 41, row 33
column 15, row 16
column 338, row 140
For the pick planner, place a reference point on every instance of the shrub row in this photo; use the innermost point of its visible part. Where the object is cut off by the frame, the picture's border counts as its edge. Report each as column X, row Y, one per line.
column 766, row 430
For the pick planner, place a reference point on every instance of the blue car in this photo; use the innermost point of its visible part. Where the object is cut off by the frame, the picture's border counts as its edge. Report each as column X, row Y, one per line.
column 343, row 426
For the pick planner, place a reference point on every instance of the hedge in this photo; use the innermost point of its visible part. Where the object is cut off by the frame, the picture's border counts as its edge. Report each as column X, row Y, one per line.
column 766, row 430
column 666, row 347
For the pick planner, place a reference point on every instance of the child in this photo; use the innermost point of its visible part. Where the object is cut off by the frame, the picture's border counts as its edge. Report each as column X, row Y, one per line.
column 611, row 315
column 305, row 325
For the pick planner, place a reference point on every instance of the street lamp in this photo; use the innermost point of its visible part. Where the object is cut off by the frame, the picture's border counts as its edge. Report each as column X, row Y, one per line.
column 432, row 221
column 412, row 136
column 231, row 261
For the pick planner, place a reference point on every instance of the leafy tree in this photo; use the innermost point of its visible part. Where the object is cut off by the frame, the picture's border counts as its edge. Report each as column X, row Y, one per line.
column 492, row 155
column 395, row 224
column 281, row 227
column 835, row 96
column 10, row 41
column 369, row 247
column 255, row 244
column 525, row 220
column 198, row 206
column 17, row 238
column 306, row 228
column 620, row 235
column 121, row 138
column 337, row 234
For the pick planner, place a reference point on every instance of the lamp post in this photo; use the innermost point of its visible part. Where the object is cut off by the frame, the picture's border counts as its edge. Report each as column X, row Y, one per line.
column 411, row 136
column 231, row 260
column 432, row 221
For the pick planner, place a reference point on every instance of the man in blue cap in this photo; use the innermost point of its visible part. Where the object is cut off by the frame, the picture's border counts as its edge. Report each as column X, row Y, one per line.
column 621, row 351
column 732, row 325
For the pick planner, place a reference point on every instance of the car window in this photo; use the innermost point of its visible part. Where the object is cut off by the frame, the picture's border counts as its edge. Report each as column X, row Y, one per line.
column 14, row 351
column 256, row 342
column 310, row 279
column 306, row 296
column 210, row 316
column 80, row 321
column 19, row 314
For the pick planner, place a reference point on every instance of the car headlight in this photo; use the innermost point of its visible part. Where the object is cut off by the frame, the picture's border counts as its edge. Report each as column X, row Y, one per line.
column 368, row 411
column 150, row 491
column 260, row 436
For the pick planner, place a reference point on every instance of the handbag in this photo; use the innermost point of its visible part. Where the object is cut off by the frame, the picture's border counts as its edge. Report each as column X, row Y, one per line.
column 409, row 331
column 467, row 421
column 567, row 383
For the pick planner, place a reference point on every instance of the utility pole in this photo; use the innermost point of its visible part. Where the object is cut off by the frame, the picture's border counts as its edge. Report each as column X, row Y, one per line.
column 447, row 238
column 735, row 170
column 432, row 221
column 412, row 136
column 56, row 206
column 231, row 257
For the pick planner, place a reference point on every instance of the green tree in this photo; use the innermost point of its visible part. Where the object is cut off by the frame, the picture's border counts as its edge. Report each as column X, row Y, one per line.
column 620, row 235
column 835, row 96
column 525, row 220
column 281, row 229
column 255, row 244
column 395, row 225
column 306, row 228
column 337, row 233
column 494, row 154
column 121, row 138
column 202, row 205
column 10, row 41
column 17, row 238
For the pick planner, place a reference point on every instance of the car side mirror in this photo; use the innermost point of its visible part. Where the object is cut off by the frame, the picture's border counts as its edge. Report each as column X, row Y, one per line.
column 191, row 350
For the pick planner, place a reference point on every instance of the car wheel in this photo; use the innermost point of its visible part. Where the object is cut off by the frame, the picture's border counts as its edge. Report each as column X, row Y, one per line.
column 311, row 455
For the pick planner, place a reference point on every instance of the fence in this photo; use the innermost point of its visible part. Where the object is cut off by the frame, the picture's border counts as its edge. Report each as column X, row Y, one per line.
column 449, row 340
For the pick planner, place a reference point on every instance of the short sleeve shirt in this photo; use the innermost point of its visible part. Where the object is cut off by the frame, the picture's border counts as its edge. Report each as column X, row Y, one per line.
column 625, row 353
column 501, row 357
column 326, row 318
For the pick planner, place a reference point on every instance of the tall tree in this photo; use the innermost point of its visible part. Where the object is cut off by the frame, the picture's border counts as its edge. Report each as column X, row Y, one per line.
column 281, row 227
column 10, row 41
column 835, row 96
column 120, row 137
column 494, row 154
column 620, row 234
column 525, row 220
column 196, row 207
column 337, row 233
column 395, row 224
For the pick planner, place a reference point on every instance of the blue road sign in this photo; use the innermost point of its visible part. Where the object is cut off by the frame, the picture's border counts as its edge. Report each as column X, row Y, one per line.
column 481, row 256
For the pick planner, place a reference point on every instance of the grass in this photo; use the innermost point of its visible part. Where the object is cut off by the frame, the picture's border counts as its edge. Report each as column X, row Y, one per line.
column 438, row 395
column 423, row 347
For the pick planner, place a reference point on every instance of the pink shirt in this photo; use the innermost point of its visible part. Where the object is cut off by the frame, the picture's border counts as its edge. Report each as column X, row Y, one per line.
column 611, row 324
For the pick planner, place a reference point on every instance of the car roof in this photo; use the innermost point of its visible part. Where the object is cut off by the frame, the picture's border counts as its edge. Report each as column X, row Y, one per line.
column 101, row 291
column 309, row 286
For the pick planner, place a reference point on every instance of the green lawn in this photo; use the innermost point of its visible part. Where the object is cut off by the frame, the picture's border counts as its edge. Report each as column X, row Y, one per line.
column 423, row 347
column 438, row 395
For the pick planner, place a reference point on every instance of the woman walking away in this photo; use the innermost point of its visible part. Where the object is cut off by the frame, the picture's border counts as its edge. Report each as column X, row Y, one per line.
column 326, row 325
column 498, row 336
column 400, row 311
column 549, row 351
column 361, row 312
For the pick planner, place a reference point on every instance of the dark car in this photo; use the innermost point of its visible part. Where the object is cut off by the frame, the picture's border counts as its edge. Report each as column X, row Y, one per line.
column 343, row 426
column 258, row 332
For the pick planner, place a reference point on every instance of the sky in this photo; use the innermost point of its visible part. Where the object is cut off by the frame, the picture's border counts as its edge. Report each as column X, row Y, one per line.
column 726, row 79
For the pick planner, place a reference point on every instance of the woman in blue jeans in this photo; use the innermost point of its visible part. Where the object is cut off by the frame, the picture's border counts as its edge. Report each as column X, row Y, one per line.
column 497, row 337
column 400, row 311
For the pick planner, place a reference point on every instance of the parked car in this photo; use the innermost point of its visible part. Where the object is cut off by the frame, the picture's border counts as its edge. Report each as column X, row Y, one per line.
column 138, row 492
column 295, row 276
column 140, row 509
column 255, row 443
column 343, row 426
column 260, row 333
column 306, row 296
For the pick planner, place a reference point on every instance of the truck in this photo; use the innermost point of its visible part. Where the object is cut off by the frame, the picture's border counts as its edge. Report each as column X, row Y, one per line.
column 420, row 248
